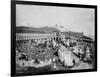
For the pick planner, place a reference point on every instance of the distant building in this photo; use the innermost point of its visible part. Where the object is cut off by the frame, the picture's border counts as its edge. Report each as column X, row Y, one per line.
column 72, row 34
column 30, row 36
column 46, row 36
column 49, row 34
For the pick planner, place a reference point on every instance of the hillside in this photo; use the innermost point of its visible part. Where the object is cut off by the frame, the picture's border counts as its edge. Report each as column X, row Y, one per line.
column 22, row 29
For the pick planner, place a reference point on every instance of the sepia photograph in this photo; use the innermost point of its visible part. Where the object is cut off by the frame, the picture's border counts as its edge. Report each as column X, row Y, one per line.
column 54, row 38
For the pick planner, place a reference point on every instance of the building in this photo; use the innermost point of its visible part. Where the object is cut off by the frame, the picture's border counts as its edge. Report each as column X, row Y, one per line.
column 46, row 36
column 33, row 36
column 46, row 33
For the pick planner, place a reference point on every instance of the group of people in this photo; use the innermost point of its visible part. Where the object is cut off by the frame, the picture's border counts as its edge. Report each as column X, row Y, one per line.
column 67, row 52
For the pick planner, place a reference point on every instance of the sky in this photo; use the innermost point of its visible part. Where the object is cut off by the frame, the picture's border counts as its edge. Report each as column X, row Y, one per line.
column 64, row 18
